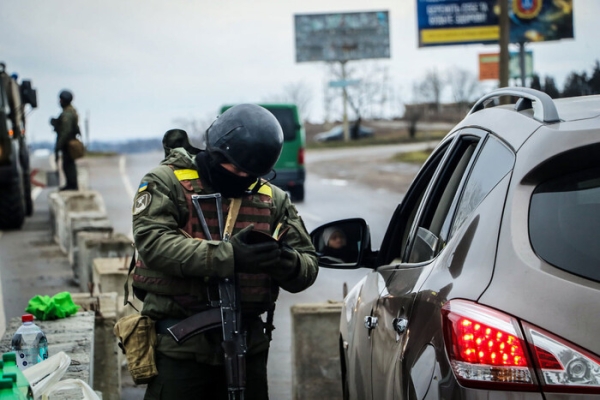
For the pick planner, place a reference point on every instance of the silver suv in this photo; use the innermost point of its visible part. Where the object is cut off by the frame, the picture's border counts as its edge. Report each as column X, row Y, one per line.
column 487, row 282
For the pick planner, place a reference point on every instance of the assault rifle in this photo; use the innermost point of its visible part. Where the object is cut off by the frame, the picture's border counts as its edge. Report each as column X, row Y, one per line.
column 228, row 315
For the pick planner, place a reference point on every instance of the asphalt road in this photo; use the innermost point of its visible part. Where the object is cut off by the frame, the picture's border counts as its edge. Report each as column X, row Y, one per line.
column 337, row 187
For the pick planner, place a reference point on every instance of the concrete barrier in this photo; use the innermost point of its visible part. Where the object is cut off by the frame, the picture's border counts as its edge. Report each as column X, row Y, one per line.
column 315, row 357
column 108, row 358
column 88, row 221
column 92, row 245
column 66, row 202
column 110, row 275
column 73, row 335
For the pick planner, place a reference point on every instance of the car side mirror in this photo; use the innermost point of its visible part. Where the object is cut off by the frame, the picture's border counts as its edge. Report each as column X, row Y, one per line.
column 342, row 244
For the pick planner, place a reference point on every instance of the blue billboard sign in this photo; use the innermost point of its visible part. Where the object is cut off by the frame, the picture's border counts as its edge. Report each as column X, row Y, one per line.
column 449, row 22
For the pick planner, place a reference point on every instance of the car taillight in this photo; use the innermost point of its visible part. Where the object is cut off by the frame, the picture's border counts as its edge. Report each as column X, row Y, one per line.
column 563, row 366
column 487, row 349
column 301, row 156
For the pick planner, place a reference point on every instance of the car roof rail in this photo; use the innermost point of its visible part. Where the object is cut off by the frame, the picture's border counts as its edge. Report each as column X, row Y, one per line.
column 544, row 109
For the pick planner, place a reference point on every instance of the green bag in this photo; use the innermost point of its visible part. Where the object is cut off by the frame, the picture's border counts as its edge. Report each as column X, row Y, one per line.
column 44, row 308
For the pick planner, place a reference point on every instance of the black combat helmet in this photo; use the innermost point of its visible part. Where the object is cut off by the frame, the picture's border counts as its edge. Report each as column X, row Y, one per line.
column 66, row 96
column 248, row 136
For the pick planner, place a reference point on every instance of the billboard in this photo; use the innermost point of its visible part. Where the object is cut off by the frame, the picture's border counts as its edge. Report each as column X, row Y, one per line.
column 540, row 20
column 449, row 22
column 342, row 36
column 489, row 65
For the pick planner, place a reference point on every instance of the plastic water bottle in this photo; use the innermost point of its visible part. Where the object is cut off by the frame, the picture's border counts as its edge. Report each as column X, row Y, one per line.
column 29, row 343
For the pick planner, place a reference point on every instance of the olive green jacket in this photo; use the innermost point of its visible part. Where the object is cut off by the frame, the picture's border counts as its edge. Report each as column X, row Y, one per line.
column 159, row 210
column 67, row 127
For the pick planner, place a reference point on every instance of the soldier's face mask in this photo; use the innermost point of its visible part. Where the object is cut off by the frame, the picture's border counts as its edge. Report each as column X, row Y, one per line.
column 220, row 179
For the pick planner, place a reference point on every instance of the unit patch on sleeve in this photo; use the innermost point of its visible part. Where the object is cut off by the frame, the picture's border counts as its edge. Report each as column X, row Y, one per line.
column 141, row 202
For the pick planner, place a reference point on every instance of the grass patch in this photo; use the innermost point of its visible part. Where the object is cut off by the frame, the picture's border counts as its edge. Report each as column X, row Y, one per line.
column 379, row 139
column 414, row 157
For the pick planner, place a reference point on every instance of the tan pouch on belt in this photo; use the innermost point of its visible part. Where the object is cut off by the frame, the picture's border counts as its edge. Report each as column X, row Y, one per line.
column 137, row 339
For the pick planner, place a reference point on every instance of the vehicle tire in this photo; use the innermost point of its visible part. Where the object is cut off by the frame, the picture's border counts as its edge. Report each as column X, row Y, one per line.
column 12, row 205
column 297, row 193
column 27, row 195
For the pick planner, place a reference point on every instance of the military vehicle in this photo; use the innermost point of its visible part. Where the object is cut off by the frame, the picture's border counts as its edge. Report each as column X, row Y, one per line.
column 15, row 186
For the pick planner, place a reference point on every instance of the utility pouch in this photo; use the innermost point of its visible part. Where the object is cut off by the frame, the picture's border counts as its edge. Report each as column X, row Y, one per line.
column 137, row 340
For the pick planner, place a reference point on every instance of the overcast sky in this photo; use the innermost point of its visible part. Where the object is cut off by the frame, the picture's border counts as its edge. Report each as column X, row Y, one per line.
column 137, row 66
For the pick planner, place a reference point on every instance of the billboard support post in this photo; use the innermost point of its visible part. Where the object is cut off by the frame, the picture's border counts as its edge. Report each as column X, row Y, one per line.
column 504, row 23
column 522, row 62
column 345, row 105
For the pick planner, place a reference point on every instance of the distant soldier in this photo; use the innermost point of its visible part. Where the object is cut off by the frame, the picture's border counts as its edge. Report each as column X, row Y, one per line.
column 66, row 127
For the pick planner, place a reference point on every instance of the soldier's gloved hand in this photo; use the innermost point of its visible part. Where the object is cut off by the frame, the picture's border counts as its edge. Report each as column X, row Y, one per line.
column 253, row 258
column 287, row 266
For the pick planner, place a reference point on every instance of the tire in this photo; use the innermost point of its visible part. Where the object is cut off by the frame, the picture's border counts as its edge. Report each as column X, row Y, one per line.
column 27, row 195
column 297, row 193
column 12, row 205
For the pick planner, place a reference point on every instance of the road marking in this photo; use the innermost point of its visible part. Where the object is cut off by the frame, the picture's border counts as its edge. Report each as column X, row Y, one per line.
column 335, row 182
column 125, row 178
column 35, row 192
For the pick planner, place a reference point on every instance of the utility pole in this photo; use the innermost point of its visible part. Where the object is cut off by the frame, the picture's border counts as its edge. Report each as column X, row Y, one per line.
column 345, row 106
column 87, row 127
column 504, row 41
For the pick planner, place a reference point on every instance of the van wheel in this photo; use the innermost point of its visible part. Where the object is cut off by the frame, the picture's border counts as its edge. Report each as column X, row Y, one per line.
column 12, row 205
column 297, row 192
column 27, row 195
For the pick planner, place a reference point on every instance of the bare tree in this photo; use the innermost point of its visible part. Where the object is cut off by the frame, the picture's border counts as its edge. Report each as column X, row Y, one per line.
column 464, row 86
column 370, row 91
column 431, row 88
column 195, row 128
column 298, row 93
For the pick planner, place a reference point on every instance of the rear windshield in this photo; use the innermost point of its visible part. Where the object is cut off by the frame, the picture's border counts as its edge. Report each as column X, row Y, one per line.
column 285, row 116
column 564, row 222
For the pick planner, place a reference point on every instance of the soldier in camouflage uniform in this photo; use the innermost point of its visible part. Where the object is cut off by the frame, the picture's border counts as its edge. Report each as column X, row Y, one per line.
column 66, row 127
column 178, row 266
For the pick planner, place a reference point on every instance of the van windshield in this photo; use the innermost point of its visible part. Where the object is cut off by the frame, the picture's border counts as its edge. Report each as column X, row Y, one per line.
column 285, row 116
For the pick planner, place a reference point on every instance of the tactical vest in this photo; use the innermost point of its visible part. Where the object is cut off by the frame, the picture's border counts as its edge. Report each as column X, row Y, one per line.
column 257, row 292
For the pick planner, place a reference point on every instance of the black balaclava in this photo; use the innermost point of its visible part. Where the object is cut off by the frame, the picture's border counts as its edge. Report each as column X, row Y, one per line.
column 220, row 179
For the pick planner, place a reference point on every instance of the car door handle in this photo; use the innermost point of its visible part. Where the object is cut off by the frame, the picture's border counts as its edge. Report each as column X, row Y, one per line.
column 400, row 325
column 370, row 322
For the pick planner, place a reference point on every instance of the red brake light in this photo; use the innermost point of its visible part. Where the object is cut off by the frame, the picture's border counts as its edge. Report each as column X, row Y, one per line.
column 486, row 348
column 489, row 349
column 484, row 344
column 301, row 156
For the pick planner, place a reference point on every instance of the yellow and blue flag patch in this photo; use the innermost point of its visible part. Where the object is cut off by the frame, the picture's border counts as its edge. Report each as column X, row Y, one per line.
column 143, row 186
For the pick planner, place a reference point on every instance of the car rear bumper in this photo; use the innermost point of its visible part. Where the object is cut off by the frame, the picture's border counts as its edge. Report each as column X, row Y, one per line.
column 289, row 178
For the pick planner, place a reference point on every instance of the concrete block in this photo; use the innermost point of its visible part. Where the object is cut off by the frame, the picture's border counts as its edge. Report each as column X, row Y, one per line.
column 97, row 244
column 110, row 274
column 315, row 357
column 63, row 203
column 89, row 221
column 73, row 335
column 108, row 357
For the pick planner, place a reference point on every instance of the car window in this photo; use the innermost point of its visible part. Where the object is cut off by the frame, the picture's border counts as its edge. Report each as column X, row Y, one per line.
column 425, row 242
column 396, row 238
column 493, row 163
column 285, row 116
column 564, row 221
